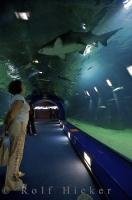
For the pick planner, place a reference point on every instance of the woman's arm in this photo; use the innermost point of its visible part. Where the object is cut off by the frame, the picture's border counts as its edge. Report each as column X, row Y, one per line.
column 12, row 113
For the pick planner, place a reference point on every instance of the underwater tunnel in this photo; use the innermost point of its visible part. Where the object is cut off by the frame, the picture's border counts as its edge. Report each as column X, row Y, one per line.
column 74, row 59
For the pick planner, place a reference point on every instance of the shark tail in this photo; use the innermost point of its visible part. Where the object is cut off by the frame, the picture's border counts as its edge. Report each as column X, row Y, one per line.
column 104, row 42
column 105, row 37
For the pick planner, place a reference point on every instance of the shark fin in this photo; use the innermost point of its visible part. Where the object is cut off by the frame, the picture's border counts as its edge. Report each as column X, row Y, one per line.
column 58, row 43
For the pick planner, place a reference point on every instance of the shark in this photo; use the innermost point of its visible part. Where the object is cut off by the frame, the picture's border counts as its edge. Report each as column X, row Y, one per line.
column 71, row 42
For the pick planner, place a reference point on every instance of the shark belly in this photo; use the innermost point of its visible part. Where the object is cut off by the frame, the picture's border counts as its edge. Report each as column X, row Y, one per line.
column 62, row 50
column 70, row 48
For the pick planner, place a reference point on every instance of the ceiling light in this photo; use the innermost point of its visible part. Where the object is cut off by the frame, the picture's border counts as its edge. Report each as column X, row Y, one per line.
column 96, row 90
column 109, row 82
column 127, row 4
column 84, row 26
column 35, row 61
column 129, row 69
column 87, row 93
column 22, row 15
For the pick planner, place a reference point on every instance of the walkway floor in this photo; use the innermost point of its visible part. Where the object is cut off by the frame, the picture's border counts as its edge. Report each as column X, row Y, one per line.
column 53, row 169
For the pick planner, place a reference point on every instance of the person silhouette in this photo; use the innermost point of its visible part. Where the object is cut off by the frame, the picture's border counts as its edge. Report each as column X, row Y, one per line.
column 31, row 129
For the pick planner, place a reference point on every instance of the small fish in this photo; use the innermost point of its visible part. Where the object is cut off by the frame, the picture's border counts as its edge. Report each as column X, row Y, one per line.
column 90, row 68
column 63, row 78
column 71, row 42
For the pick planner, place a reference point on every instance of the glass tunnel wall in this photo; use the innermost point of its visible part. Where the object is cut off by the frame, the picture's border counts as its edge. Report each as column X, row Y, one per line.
column 4, row 104
column 103, row 99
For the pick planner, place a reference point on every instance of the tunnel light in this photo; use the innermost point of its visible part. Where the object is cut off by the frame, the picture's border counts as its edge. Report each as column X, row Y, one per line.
column 63, row 126
column 35, row 61
column 61, row 123
column 45, row 107
column 87, row 93
column 96, row 90
column 69, row 135
column 118, row 88
column 102, row 107
column 87, row 160
column 127, row 4
column 129, row 69
column 22, row 15
column 35, row 73
column 109, row 82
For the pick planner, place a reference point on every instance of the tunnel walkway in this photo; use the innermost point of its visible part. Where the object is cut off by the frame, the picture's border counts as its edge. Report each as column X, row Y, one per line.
column 53, row 170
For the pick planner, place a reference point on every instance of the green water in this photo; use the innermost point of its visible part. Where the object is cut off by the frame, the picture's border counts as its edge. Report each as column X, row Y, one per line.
column 119, row 140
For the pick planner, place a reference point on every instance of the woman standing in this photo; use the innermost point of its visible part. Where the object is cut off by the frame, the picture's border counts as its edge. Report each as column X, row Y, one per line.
column 16, row 124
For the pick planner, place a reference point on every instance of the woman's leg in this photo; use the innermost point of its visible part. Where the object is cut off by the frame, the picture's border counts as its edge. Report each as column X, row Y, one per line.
column 13, row 182
column 21, row 145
